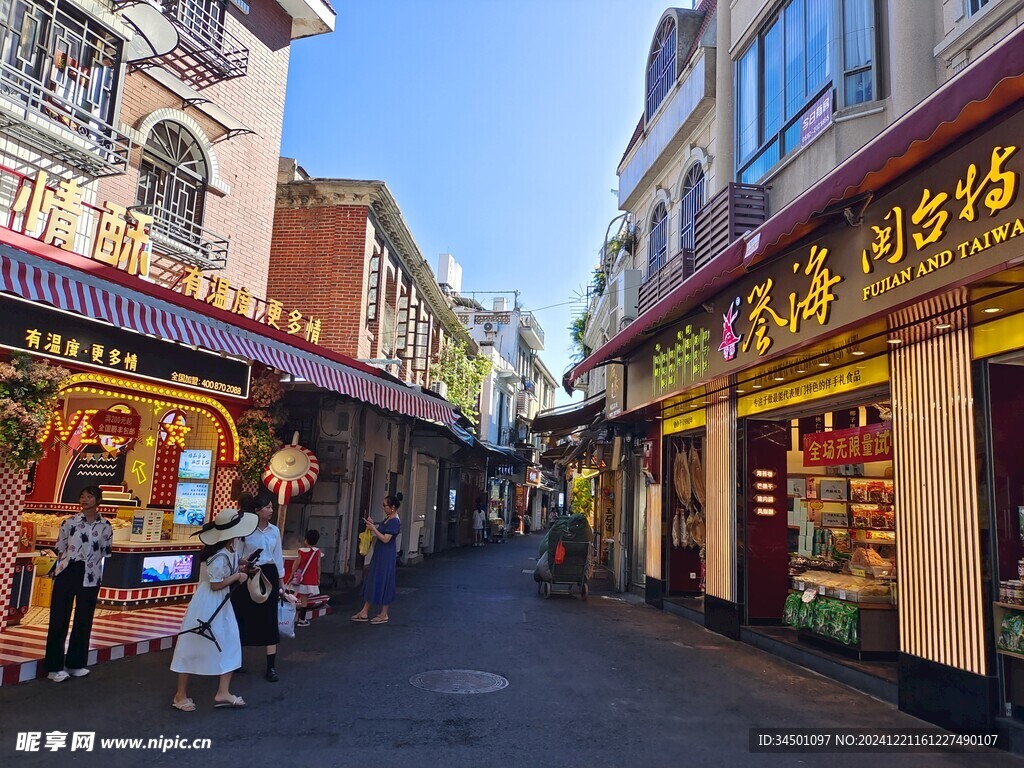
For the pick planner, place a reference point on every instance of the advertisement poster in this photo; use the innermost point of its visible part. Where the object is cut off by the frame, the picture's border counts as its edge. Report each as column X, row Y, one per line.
column 195, row 464
column 190, row 503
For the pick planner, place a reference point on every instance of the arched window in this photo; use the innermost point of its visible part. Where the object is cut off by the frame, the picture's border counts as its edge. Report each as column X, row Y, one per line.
column 173, row 177
column 657, row 244
column 661, row 66
column 691, row 202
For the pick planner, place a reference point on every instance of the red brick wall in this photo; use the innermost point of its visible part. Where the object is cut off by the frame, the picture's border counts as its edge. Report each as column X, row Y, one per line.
column 247, row 163
column 319, row 265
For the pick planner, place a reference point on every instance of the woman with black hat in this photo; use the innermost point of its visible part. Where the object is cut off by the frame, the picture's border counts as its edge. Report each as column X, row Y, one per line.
column 216, row 650
column 257, row 621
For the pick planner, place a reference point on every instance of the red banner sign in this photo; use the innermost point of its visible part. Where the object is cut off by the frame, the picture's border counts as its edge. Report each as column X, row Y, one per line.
column 117, row 424
column 849, row 446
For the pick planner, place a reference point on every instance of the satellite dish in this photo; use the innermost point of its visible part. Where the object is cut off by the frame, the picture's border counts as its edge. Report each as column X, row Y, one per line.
column 154, row 33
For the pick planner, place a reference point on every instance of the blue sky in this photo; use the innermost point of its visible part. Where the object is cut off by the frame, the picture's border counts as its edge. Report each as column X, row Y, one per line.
column 497, row 126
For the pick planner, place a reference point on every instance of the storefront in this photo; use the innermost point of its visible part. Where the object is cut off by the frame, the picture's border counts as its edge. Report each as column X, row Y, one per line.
column 855, row 366
column 158, row 375
column 684, row 500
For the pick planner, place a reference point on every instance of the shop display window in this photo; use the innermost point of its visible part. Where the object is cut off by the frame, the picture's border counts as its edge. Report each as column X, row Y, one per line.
column 685, row 497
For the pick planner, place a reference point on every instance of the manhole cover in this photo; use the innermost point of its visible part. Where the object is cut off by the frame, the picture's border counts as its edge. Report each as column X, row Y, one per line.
column 458, row 681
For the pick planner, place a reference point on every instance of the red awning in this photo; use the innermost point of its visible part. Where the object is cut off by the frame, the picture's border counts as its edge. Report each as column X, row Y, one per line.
column 988, row 86
column 26, row 276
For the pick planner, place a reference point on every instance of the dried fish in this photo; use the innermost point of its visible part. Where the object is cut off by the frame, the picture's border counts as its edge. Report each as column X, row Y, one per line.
column 681, row 477
column 675, row 530
column 684, row 531
column 698, row 530
column 697, row 476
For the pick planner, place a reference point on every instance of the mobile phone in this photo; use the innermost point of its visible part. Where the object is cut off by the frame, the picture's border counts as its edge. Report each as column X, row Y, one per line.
column 255, row 556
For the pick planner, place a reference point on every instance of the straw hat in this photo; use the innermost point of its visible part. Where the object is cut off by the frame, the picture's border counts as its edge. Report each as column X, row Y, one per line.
column 228, row 524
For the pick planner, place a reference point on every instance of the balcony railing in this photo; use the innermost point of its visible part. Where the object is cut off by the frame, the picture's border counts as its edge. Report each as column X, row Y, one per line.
column 70, row 133
column 660, row 284
column 206, row 51
column 185, row 240
column 531, row 330
column 735, row 210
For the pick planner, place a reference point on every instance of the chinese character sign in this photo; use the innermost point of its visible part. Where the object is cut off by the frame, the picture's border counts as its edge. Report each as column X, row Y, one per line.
column 849, row 446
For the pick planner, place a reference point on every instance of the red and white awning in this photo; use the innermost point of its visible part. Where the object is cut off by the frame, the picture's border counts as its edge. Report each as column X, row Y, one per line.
column 136, row 311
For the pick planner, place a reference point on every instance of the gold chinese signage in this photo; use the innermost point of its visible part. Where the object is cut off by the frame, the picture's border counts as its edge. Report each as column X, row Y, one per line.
column 120, row 237
column 953, row 221
column 838, row 381
column 684, row 423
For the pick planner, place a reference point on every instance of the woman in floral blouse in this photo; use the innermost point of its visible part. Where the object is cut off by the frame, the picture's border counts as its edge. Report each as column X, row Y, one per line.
column 84, row 541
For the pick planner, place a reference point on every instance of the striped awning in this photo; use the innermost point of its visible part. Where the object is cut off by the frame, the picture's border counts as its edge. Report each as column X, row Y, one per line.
column 26, row 276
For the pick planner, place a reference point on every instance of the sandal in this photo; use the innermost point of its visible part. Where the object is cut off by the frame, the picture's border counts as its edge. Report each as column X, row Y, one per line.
column 186, row 705
column 237, row 702
column 360, row 617
column 379, row 620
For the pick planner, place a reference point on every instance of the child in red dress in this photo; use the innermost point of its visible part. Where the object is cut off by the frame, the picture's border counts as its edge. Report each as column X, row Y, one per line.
column 305, row 580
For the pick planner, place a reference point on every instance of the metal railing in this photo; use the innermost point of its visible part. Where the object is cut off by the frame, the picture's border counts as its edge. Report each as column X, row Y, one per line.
column 527, row 320
column 202, row 34
column 75, row 134
column 185, row 240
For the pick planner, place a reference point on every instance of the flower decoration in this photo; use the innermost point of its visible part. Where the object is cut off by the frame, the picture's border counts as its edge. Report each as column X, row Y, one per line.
column 28, row 395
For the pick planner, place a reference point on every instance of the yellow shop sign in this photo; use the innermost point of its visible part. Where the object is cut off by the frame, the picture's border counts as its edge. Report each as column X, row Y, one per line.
column 686, row 422
column 840, row 381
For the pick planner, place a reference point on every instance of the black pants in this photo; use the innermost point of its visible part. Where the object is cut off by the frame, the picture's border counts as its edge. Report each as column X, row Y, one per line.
column 69, row 592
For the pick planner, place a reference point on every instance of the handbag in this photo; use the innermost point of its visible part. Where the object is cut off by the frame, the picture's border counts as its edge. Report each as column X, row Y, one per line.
column 286, row 618
column 259, row 587
column 298, row 576
column 559, row 553
column 365, row 542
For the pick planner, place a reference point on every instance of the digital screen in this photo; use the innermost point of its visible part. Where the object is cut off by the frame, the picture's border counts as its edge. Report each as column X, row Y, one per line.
column 190, row 503
column 195, row 465
column 451, row 500
column 159, row 568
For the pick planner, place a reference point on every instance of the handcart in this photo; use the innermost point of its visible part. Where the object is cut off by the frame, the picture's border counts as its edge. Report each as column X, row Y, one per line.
column 497, row 530
column 573, row 571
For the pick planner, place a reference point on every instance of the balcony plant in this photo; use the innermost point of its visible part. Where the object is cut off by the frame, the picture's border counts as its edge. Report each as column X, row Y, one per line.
column 28, row 394
column 257, row 427
column 463, row 376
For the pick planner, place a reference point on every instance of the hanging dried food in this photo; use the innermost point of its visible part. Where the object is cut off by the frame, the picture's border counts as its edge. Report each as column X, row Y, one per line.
column 675, row 530
column 684, row 531
column 681, row 477
column 698, row 530
column 697, row 476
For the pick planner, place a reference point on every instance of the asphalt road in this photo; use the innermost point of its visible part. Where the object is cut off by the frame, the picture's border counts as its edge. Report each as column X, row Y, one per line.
column 607, row 682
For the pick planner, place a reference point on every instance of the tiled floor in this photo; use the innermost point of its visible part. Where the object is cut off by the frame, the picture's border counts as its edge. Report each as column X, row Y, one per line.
column 115, row 635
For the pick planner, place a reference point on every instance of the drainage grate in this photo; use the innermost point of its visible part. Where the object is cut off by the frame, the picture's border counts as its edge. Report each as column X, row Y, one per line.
column 458, row 681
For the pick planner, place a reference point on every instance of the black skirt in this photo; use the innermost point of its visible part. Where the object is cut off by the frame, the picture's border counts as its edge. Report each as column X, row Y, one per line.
column 257, row 622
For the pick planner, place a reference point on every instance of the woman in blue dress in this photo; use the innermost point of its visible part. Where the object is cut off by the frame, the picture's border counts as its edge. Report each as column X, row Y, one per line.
column 379, row 588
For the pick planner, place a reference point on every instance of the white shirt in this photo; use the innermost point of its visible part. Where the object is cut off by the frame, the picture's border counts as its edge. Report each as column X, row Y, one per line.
column 478, row 519
column 269, row 540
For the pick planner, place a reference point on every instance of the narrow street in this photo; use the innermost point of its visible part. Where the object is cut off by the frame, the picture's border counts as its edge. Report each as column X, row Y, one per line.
column 607, row 682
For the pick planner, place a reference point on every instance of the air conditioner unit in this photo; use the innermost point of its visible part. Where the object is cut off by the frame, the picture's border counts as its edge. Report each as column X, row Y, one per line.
column 439, row 388
column 488, row 327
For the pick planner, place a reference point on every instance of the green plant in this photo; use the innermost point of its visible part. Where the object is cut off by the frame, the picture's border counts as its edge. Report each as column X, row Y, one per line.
column 463, row 375
column 599, row 281
column 257, row 427
column 577, row 330
column 28, row 395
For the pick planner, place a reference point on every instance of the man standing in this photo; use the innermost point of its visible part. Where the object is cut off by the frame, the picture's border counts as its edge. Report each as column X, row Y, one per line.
column 479, row 521
column 84, row 541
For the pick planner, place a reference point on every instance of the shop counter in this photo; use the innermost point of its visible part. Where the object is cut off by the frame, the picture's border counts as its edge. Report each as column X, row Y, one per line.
column 146, row 573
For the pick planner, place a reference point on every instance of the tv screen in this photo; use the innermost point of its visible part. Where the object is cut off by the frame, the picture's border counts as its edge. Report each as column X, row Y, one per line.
column 160, row 568
column 195, row 465
column 190, row 503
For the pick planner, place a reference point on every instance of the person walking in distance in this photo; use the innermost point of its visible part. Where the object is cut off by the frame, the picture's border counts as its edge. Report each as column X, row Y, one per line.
column 257, row 622
column 379, row 588
column 479, row 521
column 83, row 542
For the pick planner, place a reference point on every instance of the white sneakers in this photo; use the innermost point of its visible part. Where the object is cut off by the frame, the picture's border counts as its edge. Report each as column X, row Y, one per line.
column 64, row 674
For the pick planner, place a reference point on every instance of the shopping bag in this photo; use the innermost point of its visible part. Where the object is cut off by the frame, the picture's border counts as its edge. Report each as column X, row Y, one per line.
column 559, row 554
column 365, row 542
column 286, row 618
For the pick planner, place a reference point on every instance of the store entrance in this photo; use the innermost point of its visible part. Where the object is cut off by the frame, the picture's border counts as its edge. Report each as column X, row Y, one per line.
column 685, row 497
column 819, row 532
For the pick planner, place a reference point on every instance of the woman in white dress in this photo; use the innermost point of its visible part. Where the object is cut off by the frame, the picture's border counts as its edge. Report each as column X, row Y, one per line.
column 196, row 654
